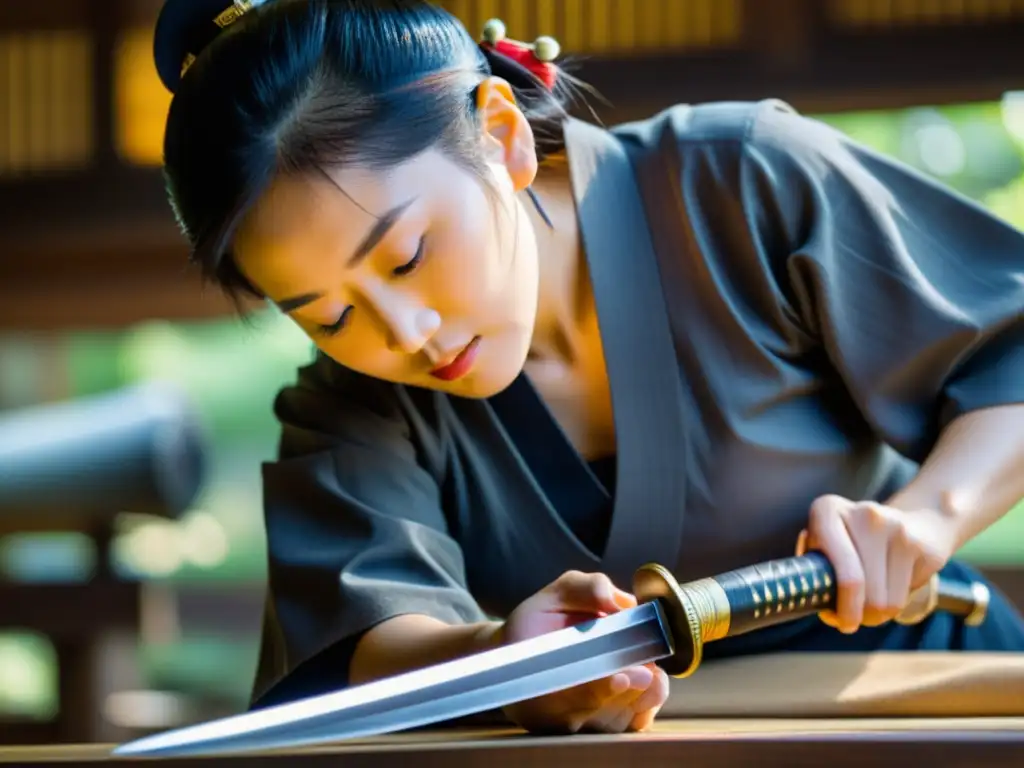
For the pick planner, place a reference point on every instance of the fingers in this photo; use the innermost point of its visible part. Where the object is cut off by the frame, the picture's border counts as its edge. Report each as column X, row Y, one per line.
column 648, row 705
column 632, row 709
column 900, row 572
column 870, row 528
column 605, row 704
column 880, row 555
column 614, row 717
column 589, row 698
column 887, row 557
column 828, row 529
column 575, row 591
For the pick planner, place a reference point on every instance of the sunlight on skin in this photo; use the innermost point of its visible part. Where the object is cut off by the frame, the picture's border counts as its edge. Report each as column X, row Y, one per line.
column 396, row 274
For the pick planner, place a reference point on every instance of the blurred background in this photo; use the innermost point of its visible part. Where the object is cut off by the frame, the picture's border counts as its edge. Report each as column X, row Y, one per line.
column 134, row 602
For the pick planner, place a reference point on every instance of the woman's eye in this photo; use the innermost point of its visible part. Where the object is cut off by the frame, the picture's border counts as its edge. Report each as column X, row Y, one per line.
column 410, row 266
column 337, row 326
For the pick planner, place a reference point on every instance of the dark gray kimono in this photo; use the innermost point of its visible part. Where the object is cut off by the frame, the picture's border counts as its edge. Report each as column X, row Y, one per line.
column 784, row 314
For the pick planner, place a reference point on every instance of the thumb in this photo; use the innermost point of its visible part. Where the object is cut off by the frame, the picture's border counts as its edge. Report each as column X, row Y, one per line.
column 589, row 593
column 801, row 542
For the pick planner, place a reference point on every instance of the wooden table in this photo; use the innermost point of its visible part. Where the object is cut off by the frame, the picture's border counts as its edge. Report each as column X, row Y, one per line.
column 694, row 743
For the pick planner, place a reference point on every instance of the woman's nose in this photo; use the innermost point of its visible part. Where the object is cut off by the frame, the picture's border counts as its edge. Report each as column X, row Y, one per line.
column 410, row 328
column 407, row 323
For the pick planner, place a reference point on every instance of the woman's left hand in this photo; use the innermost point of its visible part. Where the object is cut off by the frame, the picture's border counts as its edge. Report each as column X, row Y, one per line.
column 880, row 556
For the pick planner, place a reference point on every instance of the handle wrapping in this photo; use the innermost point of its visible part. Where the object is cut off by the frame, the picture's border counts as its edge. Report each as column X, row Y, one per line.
column 777, row 591
column 773, row 592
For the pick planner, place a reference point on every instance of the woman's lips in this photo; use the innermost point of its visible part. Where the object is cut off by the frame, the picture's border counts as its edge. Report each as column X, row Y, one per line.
column 461, row 365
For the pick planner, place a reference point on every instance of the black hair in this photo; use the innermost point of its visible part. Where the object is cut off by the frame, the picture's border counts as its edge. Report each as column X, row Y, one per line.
column 297, row 86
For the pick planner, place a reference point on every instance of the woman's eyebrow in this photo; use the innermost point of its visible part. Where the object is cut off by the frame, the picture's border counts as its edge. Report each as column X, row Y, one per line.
column 297, row 302
column 378, row 232
column 372, row 239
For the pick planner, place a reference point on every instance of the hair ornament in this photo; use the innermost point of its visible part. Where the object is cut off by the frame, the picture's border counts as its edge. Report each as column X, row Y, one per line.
column 186, row 27
column 538, row 58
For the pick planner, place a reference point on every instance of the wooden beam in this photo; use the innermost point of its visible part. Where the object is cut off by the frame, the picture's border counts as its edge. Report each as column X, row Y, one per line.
column 48, row 15
column 108, row 300
column 139, row 12
column 780, row 33
column 882, row 70
column 65, row 204
column 101, row 281
column 105, row 17
column 845, row 71
column 100, row 247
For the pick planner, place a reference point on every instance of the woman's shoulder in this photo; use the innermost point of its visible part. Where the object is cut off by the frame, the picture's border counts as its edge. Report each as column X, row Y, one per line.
column 328, row 399
column 325, row 377
column 729, row 126
column 329, row 407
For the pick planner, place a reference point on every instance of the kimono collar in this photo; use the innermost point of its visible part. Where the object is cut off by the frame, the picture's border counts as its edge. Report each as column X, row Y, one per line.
column 644, row 376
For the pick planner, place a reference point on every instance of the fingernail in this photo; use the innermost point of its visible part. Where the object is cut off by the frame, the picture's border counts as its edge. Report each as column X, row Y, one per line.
column 654, row 696
column 621, row 682
column 626, row 597
column 639, row 677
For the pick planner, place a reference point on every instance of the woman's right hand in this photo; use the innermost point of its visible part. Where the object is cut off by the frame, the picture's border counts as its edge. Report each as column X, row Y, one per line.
column 626, row 701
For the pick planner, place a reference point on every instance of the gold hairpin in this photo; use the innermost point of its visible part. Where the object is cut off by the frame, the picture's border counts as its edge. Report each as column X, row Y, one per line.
column 233, row 13
column 224, row 19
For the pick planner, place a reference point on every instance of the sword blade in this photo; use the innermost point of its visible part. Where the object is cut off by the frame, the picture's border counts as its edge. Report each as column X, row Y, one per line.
column 478, row 683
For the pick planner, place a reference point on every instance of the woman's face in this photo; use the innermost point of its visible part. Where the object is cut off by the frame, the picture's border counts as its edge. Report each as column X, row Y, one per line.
column 425, row 275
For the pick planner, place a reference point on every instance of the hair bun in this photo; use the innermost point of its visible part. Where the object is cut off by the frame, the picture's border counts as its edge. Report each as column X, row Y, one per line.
column 185, row 27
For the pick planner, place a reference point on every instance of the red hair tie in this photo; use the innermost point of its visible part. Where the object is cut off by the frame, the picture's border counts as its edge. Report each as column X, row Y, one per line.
column 537, row 58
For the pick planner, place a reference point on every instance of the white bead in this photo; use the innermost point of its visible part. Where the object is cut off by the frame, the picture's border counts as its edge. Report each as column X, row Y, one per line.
column 546, row 48
column 494, row 31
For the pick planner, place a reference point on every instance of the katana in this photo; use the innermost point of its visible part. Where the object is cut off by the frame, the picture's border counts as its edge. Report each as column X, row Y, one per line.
column 670, row 626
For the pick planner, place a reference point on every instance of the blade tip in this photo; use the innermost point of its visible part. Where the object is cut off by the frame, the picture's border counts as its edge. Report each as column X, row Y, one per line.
column 133, row 749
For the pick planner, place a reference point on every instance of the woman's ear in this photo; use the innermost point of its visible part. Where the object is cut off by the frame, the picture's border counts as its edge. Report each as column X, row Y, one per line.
column 507, row 135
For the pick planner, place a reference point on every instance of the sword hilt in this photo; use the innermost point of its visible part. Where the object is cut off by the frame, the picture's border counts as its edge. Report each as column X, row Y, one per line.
column 774, row 592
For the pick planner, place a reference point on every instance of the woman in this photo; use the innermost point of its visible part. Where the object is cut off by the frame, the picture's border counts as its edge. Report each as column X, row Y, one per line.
column 550, row 352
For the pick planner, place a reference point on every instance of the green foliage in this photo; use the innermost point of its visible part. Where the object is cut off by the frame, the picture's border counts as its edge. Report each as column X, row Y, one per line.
column 976, row 149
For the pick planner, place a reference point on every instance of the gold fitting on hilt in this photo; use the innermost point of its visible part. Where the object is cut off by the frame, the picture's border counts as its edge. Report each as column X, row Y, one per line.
column 982, row 597
column 922, row 604
column 970, row 601
column 696, row 613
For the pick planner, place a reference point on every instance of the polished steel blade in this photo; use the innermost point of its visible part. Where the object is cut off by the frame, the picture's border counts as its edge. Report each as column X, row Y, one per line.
column 466, row 686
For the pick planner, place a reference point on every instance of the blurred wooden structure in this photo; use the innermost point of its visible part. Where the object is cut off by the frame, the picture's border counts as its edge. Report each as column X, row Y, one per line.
column 77, row 467
column 87, row 238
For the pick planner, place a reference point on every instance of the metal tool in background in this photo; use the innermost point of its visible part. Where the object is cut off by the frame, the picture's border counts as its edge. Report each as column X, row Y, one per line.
column 141, row 449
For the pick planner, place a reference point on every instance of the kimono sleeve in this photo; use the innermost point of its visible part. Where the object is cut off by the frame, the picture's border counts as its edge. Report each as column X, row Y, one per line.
column 915, row 293
column 355, row 534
